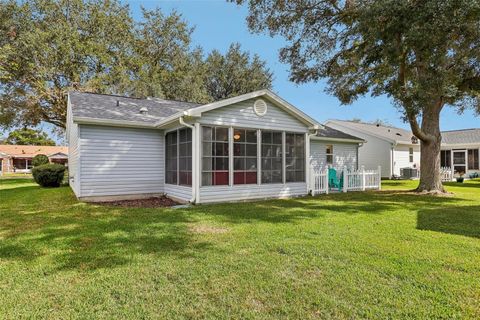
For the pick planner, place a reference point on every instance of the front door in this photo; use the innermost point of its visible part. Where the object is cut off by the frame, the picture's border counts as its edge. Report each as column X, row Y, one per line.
column 459, row 161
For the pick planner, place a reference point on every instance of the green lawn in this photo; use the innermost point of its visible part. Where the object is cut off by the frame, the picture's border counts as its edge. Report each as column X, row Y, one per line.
column 357, row 255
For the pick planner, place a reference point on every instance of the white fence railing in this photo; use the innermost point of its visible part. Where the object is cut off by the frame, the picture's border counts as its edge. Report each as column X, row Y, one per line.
column 347, row 180
column 446, row 173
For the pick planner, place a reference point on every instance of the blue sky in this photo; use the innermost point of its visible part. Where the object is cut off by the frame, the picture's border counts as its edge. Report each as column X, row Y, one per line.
column 218, row 24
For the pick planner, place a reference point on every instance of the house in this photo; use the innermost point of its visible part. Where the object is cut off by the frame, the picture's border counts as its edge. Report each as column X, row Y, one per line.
column 391, row 148
column 395, row 148
column 17, row 158
column 251, row 146
column 460, row 150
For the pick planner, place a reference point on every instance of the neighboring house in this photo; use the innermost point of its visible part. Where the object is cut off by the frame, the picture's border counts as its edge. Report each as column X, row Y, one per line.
column 252, row 146
column 460, row 150
column 391, row 148
column 17, row 158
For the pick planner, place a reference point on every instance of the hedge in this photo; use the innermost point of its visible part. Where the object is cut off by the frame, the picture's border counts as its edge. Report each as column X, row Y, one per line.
column 49, row 175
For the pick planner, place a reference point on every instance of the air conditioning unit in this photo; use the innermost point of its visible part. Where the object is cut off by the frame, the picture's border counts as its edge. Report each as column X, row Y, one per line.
column 409, row 173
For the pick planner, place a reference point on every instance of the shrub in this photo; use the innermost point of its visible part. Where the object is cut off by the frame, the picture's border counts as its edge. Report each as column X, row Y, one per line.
column 49, row 175
column 39, row 159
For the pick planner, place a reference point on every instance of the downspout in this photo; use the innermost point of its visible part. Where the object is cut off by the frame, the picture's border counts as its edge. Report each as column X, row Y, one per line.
column 393, row 159
column 194, row 159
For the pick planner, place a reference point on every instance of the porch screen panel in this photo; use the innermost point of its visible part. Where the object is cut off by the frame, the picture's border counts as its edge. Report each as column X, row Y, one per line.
column 171, row 142
column 214, row 156
column 244, row 156
column 295, row 157
column 185, row 157
column 272, row 157
column 445, row 158
column 473, row 159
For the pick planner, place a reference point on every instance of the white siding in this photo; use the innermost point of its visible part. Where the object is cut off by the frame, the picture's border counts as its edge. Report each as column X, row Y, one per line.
column 73, row 152
column 251, row 191
column 121, row 161
column 242, row 115
column 344, row 154
column 375, row 152
column 401, row 158
column 179, row 192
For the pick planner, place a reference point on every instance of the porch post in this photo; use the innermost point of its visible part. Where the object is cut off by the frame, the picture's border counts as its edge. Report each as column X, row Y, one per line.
column 307, row 162
column 196, row 161
column 379, row 177
column 345, row 179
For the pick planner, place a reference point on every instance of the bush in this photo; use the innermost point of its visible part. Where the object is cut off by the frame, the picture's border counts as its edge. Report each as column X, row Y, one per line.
column 48, row 175
column 39, row 159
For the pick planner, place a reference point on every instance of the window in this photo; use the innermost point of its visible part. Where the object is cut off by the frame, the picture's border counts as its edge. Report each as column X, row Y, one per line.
column 410, row 154
column 473, row 159
column 244, row 156
column 21, row 164
column 272, row 157
column 178, row 157
column 171, row 156
column 446, row 158
column 295, row 157
column 185, row 157
column 329, row 153
column 214, row 156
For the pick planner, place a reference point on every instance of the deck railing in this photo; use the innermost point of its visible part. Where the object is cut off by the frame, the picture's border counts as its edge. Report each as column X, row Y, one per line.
column 353, row 180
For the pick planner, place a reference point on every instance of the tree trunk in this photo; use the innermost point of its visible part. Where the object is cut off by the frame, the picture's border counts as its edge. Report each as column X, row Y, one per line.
column 430, row 177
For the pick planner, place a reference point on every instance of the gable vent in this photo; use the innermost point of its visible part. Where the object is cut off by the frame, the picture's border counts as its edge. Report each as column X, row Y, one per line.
column 260, row 107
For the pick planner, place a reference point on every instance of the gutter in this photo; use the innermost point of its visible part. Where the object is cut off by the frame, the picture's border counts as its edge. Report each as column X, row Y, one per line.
column 337, row 139
column 194, row 160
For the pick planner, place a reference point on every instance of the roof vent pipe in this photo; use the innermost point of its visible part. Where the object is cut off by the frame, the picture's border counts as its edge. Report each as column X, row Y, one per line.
column 118, row 103
column 143, row 110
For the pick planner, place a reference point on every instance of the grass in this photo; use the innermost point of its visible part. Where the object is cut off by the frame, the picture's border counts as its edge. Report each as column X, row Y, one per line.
column 378, row 255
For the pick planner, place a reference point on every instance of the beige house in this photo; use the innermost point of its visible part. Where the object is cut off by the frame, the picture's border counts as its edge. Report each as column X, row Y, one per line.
column 14, row 158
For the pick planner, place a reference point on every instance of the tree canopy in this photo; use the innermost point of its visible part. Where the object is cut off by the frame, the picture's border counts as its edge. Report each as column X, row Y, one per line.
column 26, row 136
column 52, row 46
column 423, row 54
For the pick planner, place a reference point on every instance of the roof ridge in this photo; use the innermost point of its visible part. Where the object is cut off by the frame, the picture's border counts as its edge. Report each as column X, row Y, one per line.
column 107, row 94
column 469, row 129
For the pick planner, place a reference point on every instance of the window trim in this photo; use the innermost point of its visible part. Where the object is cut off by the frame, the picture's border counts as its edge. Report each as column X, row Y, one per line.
column 177, row 130
column 245, row 157
column 329, row 154
column 411, row 158
column 259, row 156
column 201, row 155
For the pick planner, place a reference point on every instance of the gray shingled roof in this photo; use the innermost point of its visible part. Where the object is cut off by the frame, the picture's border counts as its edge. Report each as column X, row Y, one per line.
column 328, row 132
column 467, row 136
column 398, row 135
column 112, row 107
column 102, row 106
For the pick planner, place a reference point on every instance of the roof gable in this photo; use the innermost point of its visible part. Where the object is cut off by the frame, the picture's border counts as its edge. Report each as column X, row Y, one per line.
column 266, row 94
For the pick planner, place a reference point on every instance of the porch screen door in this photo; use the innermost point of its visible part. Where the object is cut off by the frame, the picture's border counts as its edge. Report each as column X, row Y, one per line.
column 460, row 161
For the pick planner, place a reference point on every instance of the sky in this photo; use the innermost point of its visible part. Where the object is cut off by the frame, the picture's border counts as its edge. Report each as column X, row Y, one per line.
column 219, row 23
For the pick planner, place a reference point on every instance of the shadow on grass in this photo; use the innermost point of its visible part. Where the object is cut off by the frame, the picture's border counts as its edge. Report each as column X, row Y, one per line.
column 465, row 184
column 36, row 222
column 296, row 209
column 463, row 221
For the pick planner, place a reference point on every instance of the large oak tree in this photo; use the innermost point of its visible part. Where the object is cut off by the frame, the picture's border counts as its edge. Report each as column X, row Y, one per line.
column 48, row 47
column 424, row 54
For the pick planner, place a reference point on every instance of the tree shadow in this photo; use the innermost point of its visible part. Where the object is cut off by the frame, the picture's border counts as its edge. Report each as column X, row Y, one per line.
column 301, row 208
column 88, row 237
column 463, row 220
column 465, row 184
